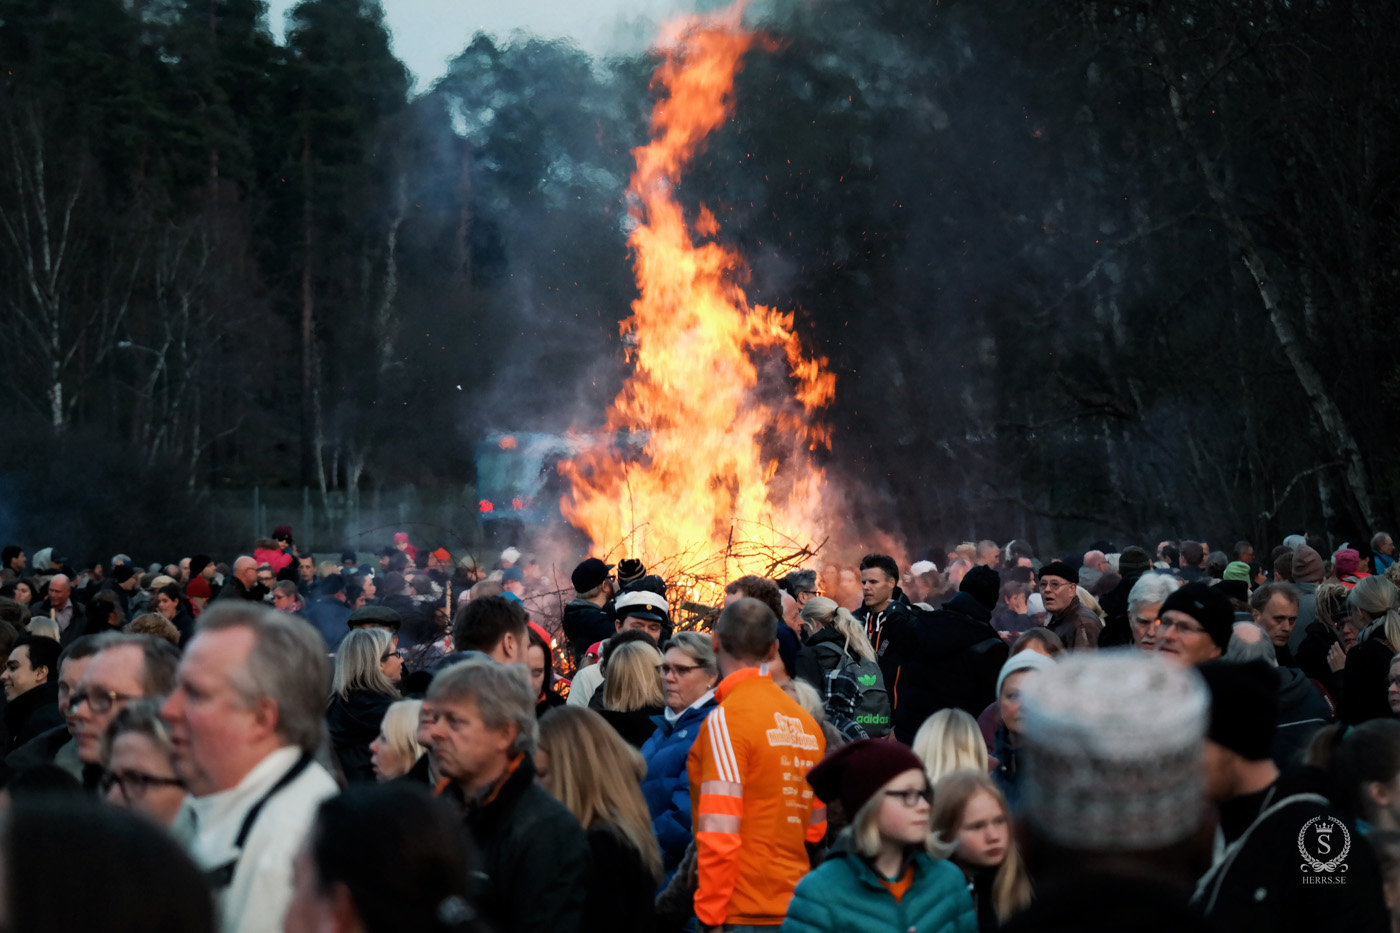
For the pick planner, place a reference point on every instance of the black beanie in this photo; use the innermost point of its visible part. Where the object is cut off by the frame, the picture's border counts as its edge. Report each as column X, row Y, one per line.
column 982, row 584
column 1243, row 706
column 1208, row 606
column 1059, row 569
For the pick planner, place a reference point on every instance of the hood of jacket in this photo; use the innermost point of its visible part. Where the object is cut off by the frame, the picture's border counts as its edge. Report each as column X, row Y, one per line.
column 960, row 624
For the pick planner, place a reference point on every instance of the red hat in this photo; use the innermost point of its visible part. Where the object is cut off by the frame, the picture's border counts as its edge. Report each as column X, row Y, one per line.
column 441, row 554
column 853, row 773
column 1345, row 562
column 401, row 537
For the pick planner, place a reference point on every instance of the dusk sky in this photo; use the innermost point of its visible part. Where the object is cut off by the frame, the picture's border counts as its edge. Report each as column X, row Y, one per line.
column 427, row 33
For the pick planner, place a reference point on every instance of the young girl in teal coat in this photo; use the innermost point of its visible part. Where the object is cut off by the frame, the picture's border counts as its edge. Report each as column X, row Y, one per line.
column 886, row 873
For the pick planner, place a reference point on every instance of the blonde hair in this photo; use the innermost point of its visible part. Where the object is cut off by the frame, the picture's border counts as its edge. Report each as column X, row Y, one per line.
column 357, row 663
column 632, row 682
column 968, row 551
column 1011, row 889
column 598, row 777
column 865, row 829
column 400, row 729
column 821, row 612
column 44, row 627
column 949, row 741
column 1377, row 598
column 1090, row 602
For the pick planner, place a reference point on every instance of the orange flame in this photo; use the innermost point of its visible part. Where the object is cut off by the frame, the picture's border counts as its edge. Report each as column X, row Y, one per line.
column 721, row 392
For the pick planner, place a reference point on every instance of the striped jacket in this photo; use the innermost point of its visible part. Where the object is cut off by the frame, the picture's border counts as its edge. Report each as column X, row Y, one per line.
column 753, row 809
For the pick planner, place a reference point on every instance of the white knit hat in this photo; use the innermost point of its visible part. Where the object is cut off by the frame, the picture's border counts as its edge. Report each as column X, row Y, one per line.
column 1114, row 743
column 1027, row 660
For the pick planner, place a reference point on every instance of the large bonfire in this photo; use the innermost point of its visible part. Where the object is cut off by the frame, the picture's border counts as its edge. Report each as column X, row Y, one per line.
column 721, row 406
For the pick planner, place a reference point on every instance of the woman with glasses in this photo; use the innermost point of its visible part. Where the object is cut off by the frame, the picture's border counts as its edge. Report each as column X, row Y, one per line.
column 362, row 692
column 888, row 872
column 139, row 768
column 632, row 691
column 970, row 813
column 688, row 677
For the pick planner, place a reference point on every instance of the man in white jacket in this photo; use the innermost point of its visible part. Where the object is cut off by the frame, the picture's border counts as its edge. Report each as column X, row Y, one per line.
column 245, row 720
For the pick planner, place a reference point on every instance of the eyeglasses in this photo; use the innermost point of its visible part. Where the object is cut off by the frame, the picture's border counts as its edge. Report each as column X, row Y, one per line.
column 680, row 670
column 396, row 653
column 1184, row 628
column 1052, row 587
column 911, row 798
column 134, row 784
column 99, row 700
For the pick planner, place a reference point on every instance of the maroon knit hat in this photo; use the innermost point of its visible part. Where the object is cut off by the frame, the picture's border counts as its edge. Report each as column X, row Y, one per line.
column 854, row 772
column 1346, row 561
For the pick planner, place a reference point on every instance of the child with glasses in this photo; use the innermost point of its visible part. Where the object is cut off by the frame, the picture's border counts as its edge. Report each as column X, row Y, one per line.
column 888, row 871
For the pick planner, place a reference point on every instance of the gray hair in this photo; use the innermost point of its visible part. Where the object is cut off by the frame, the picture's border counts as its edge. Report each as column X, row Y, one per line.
column 1151, row 588
column 1378, row 539
column 159, row 659
column 288, row 665
column 1249, row 642
column 357, row 663
column 501, row 692
column 698, row 647
column 141, row 717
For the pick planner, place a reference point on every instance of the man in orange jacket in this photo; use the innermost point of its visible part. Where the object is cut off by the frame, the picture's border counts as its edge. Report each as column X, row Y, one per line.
column 754, row 810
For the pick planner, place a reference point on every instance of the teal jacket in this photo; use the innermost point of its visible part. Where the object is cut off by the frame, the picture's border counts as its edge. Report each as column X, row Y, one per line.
column 844, row 894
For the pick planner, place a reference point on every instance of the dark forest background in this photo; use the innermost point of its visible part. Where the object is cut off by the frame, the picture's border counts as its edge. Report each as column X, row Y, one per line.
column 1122, row 269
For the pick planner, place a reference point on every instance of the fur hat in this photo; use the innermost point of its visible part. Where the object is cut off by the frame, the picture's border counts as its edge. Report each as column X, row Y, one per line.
column 1114, row 748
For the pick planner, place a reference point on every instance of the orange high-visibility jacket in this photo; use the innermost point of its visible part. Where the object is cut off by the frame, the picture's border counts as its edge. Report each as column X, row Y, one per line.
column 753, row 808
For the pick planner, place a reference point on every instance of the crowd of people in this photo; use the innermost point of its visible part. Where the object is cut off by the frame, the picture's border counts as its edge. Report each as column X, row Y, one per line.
column 1173, row 738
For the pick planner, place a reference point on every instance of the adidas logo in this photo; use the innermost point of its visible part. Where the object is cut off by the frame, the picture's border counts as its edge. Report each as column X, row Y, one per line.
column 867, row 680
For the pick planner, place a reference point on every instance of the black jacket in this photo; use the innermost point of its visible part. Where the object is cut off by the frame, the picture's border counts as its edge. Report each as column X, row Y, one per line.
column 634, row 727
column 621, row 895
column 32, row 712
column 889, row 636
column 535, row 862
column 585, row 623
column 1102, row 903
column 353, row 724
column 952, row 659
column 814, row 662
column 1302, row 710
column 1312, row 659
column 1257, row 882
column 1116, row 630
column 41, row 749
column 1367, row 675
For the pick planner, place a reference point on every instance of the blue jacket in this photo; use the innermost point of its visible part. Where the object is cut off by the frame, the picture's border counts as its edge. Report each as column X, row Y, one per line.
column 844, row 894
column 666, row 786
